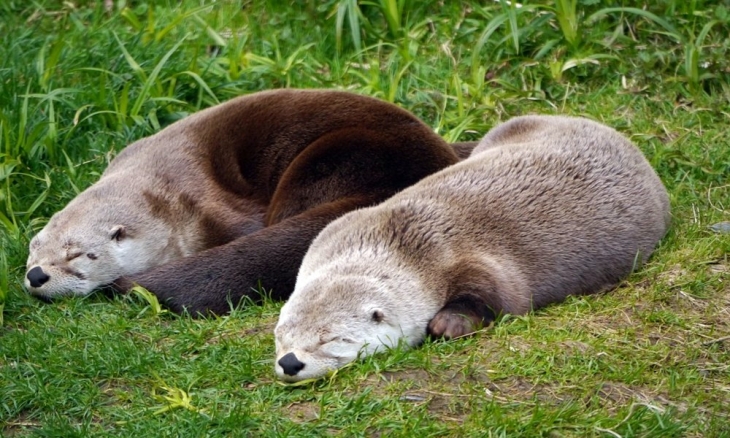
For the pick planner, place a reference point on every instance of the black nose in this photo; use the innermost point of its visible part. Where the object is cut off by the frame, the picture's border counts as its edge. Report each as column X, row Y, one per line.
column 290, row 364
column 37, row 277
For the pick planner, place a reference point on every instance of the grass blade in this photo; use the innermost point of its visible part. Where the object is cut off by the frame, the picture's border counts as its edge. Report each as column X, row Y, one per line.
column 349, row 9
column 565, row 10
column 671, row 30
column 144, row 93
column 136, row 68
column 511, row 11
column 492, row 26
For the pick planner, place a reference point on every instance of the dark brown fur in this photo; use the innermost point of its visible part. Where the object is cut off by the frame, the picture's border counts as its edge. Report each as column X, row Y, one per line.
column 304, row 157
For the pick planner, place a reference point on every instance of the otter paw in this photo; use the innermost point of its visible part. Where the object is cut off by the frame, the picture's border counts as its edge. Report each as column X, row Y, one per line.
column 450, row 323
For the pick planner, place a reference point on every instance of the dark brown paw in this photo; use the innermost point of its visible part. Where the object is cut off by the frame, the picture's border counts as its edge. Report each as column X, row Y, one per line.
column 449, row 324
column 122, row 285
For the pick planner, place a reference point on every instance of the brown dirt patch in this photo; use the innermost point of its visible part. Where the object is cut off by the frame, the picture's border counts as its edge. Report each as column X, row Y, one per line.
column 303, row 412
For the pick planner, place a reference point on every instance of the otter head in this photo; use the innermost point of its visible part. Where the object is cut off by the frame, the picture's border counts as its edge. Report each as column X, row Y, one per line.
column 330, row 322
column 89, row 244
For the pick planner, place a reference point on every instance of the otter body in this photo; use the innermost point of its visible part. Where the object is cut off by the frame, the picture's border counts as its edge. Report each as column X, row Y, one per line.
column 545, row 207
column 229, row 198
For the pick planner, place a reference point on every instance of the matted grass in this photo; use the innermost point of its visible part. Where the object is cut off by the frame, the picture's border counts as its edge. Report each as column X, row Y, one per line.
column 79, row 81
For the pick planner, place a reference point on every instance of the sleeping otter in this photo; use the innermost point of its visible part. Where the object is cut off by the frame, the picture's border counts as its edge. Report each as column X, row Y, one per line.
column 544, row 208
column 228, row 199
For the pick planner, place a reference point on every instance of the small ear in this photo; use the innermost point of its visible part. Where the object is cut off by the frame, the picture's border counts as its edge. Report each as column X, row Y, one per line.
column 377, row 315
column 118, row 232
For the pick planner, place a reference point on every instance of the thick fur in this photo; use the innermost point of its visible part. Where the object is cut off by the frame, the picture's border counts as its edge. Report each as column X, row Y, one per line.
column 544, row 208
column 463, row 149
column 229, row 199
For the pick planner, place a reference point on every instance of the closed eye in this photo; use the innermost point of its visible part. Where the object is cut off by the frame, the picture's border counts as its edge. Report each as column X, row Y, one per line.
column 340, row 339
column 74, row 255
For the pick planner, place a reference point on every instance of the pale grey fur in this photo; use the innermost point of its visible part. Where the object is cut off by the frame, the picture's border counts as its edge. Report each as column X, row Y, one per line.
column 545, row 207
column 158, row 193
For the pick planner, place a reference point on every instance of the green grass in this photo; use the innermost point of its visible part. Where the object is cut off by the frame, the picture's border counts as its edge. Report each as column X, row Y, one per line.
column 78, row 83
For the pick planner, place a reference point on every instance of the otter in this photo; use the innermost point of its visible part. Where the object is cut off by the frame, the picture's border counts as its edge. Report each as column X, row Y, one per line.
column 545, row 207
column 228, row 199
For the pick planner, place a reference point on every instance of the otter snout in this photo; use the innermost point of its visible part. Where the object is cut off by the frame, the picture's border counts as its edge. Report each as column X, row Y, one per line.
column 36, row 277
column 290, row 364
